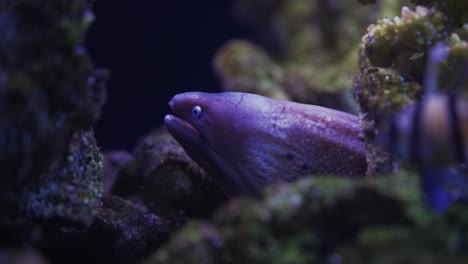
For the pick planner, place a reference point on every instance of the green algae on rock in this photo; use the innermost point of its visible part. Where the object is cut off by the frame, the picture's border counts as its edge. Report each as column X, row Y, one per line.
column 318, row 218
column 381, row 92
column 411, row 33
column 70, row 191
column 392, row 60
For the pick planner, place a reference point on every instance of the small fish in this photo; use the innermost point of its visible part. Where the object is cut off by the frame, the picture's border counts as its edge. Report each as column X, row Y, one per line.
column 433, row 135
column 433, row 131
column 249, row 141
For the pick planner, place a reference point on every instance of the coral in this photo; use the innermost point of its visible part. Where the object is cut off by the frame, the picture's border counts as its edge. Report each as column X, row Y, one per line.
column 382, row 91
column 392, row 59
column 304, row 223
column 48, row 87
column 70, row 191
column 412, row 33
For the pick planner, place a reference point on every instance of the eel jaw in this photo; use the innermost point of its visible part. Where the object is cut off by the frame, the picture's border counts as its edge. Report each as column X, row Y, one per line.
column 188, row 137
column 182, row 131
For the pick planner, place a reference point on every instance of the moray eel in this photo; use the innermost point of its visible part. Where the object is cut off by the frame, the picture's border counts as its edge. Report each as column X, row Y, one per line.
column 248, row 141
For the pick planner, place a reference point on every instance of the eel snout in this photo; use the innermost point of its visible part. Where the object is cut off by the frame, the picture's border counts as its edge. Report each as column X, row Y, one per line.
column 178, row 125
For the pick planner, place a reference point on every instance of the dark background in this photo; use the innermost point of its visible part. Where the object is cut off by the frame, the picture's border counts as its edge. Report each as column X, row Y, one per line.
column 154, row 50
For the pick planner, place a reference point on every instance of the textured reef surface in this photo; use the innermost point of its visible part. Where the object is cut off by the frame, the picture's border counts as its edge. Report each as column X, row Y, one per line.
column 50, row 96
column 326, row 220
column 64, row 201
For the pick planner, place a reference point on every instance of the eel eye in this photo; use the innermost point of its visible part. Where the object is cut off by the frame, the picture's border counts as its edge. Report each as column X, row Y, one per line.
column 196, row 111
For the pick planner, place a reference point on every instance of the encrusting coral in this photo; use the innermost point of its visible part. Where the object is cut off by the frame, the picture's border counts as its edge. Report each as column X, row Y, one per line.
column 70, row 191
column 411, row 33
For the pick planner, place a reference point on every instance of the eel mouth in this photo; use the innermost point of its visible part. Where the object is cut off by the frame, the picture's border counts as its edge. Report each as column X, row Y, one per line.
column 181, row 129
column 188, row 137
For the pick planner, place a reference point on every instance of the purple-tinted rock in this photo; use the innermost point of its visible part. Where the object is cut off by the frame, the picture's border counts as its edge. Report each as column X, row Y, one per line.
column 164, row 178
column 122, row 232
column 113, row 162
column 131, row 228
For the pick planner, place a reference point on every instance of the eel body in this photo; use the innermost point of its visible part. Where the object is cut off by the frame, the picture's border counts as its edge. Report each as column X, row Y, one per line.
column 248, row 141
